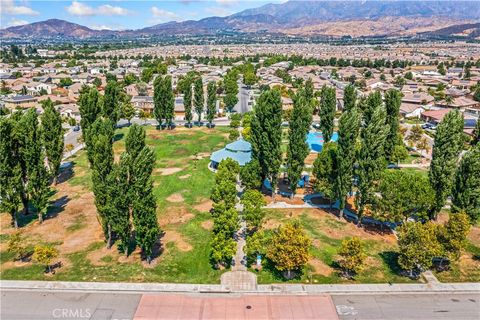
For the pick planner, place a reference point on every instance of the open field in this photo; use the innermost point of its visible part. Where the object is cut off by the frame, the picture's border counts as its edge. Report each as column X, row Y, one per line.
column 182, row 186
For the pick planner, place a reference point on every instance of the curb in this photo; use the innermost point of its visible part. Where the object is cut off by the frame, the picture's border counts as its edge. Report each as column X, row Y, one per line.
column 271, row 289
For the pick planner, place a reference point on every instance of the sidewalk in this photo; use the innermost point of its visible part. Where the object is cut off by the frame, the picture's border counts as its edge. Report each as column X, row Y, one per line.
column 261, row 289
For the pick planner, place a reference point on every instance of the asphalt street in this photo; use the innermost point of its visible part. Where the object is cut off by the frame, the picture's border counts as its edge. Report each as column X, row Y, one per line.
column 43, row 305
column 408, row 306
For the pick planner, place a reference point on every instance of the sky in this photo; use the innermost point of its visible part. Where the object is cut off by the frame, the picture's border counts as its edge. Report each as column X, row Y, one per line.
column 118, row 14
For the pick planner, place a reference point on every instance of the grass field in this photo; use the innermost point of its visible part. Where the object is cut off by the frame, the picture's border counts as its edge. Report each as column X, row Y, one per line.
column 183, row 183
column 327, row 233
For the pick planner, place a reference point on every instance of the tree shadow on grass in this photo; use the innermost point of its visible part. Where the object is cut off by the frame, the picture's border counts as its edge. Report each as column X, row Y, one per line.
column 56, row 207
column 390, row 258
column 278, row 275
column 118, row 136
column 66, row 172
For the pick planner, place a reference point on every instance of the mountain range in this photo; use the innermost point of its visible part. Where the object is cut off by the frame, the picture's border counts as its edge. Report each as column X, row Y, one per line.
column 301, row 18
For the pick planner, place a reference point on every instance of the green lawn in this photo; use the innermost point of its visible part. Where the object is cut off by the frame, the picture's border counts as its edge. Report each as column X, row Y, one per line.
column 184, row 150
column 327, row 233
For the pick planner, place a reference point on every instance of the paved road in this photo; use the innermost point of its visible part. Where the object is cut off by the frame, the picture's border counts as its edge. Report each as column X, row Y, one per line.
column 412, row 306
column 243, row 97
column 24, row 305
column 40, row 305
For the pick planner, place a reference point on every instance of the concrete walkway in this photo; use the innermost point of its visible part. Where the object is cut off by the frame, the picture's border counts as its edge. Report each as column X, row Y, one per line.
column 260, row 289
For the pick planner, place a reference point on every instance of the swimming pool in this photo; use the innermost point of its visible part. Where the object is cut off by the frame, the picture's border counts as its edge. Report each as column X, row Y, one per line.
column 315, row 140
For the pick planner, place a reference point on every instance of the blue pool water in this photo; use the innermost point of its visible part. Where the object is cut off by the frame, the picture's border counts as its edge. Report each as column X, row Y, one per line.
column 315, row 140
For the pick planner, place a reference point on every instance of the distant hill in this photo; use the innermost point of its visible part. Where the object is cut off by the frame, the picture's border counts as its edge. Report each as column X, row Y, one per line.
column 330, row 18
column 53, row 28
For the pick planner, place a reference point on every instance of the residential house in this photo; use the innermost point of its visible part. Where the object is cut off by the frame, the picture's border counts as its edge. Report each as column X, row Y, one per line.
column 19, row 102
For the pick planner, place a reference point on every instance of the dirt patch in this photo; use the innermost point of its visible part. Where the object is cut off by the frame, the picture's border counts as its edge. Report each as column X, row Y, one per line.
column 271, row 224
column 320, row 267
column 177, row 238
column 175, row 215
column 204, row 206
column 207, row 224
column 167, row 171
column 310, row 159
column 474, row 236
column 176, row 197
column 185, row 176
column 279, row 198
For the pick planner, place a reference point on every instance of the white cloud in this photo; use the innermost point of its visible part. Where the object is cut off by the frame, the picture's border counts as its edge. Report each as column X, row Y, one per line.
column 161, row 15
column 9, row 7
column 16, row 22
column 81, row 9
column 227, row 3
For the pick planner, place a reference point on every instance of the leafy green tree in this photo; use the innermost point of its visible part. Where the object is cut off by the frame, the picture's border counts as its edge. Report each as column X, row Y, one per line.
column 446, row 149
column 225, row 222
column 415, row 135
column 39, row 188
column 10, row 170
column 402, row 194
column 117, row 208
column 65, row 82
column 144, row 203
column 393, row 100
column 371, row 103
column 418, row 245
column 476, row 95
column 466, row 187
column 325, row 171
column 159, row 93
column 28, row 137
column 453, row 235
column 187, row 102
column 231, row 90
column 147, row 75
column 328, row 104
column 298, row 149
column 111, row 102
column 199, row 100
column 224, row 191
column 127, row 111
column 90, row 106
column 16, row 245
column 251, row 175
column 371, row 158
column 130, row 78
column 352, row 256
column 169, row 101
column 223, row 249
column 349, row 97
column 211, row 101
column 257, row 244
column 52, row 138
column 253, row 201
column 266, row 136
column 349, row 124
column 289, row 248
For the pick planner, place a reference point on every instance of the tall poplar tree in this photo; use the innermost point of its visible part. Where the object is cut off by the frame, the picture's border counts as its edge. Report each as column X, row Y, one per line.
column 371, row 158
column 349, row 124
column 169, row 101
column 211, row 101
column 90, row 106
column 52, row 138
column 10, row 171
column 187, row 102
column 370, row 104
column 298, row 149
column 446, row 149
column 144, row 203
column 111, row 102
column 466, row 188
column 266, row 136
column 328, row 102
column 199, row 100
column 393, row 100
column 349, row 97
column 158, row 98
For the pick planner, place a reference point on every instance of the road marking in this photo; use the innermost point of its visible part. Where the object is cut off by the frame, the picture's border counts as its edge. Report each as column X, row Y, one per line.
column 344, row 310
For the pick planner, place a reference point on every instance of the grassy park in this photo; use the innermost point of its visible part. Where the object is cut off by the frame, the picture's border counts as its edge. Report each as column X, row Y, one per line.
column 183, row 184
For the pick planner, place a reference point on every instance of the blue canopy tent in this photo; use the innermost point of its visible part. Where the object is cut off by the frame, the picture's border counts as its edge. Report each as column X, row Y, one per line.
column 240, row 151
